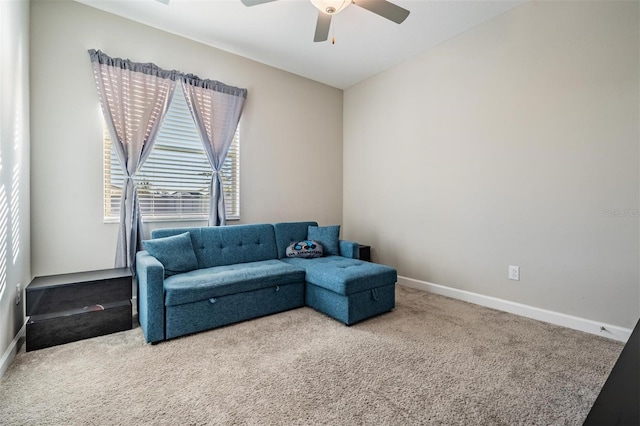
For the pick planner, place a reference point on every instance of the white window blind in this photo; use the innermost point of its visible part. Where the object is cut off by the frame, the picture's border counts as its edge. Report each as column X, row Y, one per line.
column 174, row 181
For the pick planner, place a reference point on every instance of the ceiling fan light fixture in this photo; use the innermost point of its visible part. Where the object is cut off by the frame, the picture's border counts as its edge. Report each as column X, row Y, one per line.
column 331, row 7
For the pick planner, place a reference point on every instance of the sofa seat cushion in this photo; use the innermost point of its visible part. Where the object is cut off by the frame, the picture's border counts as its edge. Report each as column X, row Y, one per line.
column 343, row 275
column 217, row 281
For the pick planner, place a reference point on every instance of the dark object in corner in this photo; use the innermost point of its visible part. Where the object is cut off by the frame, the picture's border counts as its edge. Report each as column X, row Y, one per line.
column 619, row 399
column 365, row 252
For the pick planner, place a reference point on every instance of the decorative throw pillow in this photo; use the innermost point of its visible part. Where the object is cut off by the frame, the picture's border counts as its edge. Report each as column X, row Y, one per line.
column 175, row 253
column 307, row 249
column 328, row 236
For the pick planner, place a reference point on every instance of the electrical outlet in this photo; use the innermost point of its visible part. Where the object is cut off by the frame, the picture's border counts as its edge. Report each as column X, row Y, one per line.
column 514, row 273
column 18, row 294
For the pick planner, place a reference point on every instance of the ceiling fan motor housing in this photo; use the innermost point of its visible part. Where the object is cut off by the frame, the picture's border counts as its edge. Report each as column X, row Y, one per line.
column 331, row 7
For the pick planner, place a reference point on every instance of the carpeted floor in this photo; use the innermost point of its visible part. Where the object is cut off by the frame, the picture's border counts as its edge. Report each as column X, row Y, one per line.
column 433, row 361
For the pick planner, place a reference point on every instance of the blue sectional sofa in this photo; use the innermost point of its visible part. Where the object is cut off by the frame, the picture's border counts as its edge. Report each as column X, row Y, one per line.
column 207, row 277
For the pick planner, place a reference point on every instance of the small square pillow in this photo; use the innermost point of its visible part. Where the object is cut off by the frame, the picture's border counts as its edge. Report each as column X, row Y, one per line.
column 327, row 236
column 175, row 253
column 307, row 249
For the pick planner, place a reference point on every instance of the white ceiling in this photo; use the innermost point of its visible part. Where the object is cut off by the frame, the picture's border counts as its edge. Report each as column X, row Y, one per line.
column 280, row 33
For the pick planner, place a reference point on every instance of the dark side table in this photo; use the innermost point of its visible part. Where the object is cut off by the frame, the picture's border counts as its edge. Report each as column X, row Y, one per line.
column 365, row 252
column 69, row 307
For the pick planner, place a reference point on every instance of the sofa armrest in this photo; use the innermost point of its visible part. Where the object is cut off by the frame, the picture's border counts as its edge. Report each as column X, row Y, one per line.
column 151, row 316
column 349, row 249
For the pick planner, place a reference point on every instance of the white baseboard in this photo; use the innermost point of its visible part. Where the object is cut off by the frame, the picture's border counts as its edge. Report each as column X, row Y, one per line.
column 589, row 326
column 12, row 350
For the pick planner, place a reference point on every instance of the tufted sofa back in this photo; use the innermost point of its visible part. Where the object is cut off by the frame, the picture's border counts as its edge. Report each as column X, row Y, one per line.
column 227, row 245
column 290, row 232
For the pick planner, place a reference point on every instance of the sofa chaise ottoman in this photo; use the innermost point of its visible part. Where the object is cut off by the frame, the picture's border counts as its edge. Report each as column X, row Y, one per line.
column 195, row 279
column 343, row 287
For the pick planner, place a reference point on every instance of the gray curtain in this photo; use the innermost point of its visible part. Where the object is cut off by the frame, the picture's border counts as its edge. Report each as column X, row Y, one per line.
column 216, row 109
column 134, row 99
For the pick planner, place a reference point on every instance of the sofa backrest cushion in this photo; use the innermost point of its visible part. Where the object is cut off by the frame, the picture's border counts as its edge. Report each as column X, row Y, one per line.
column 226, row 245
column 174, row 252
column 328, row 236
column 290, row 232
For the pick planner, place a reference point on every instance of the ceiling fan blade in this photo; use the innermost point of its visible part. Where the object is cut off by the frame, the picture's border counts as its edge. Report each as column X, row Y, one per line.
column 255, row 2
column 385, row 9
column 322, row 27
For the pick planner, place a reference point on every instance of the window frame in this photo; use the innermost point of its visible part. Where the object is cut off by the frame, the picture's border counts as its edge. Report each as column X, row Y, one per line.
column 111, row 197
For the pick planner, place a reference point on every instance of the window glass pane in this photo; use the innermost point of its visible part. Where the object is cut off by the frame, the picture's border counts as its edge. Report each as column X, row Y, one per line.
column 174, row 181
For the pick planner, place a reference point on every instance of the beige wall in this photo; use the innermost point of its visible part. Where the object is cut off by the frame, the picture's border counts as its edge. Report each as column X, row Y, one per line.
column 14, row 170
column 509, row 144
column 290, row 125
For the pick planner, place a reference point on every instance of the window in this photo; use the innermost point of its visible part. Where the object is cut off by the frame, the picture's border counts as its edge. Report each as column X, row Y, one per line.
column 174, row 181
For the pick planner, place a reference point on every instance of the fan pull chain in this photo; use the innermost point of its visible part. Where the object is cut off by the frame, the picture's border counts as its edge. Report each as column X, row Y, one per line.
column 333, row 32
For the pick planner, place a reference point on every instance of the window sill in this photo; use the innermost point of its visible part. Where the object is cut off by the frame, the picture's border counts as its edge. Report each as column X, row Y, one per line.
column 108, row 220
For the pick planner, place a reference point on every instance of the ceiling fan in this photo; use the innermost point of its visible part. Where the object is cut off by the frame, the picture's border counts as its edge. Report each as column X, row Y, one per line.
column 328, row 8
